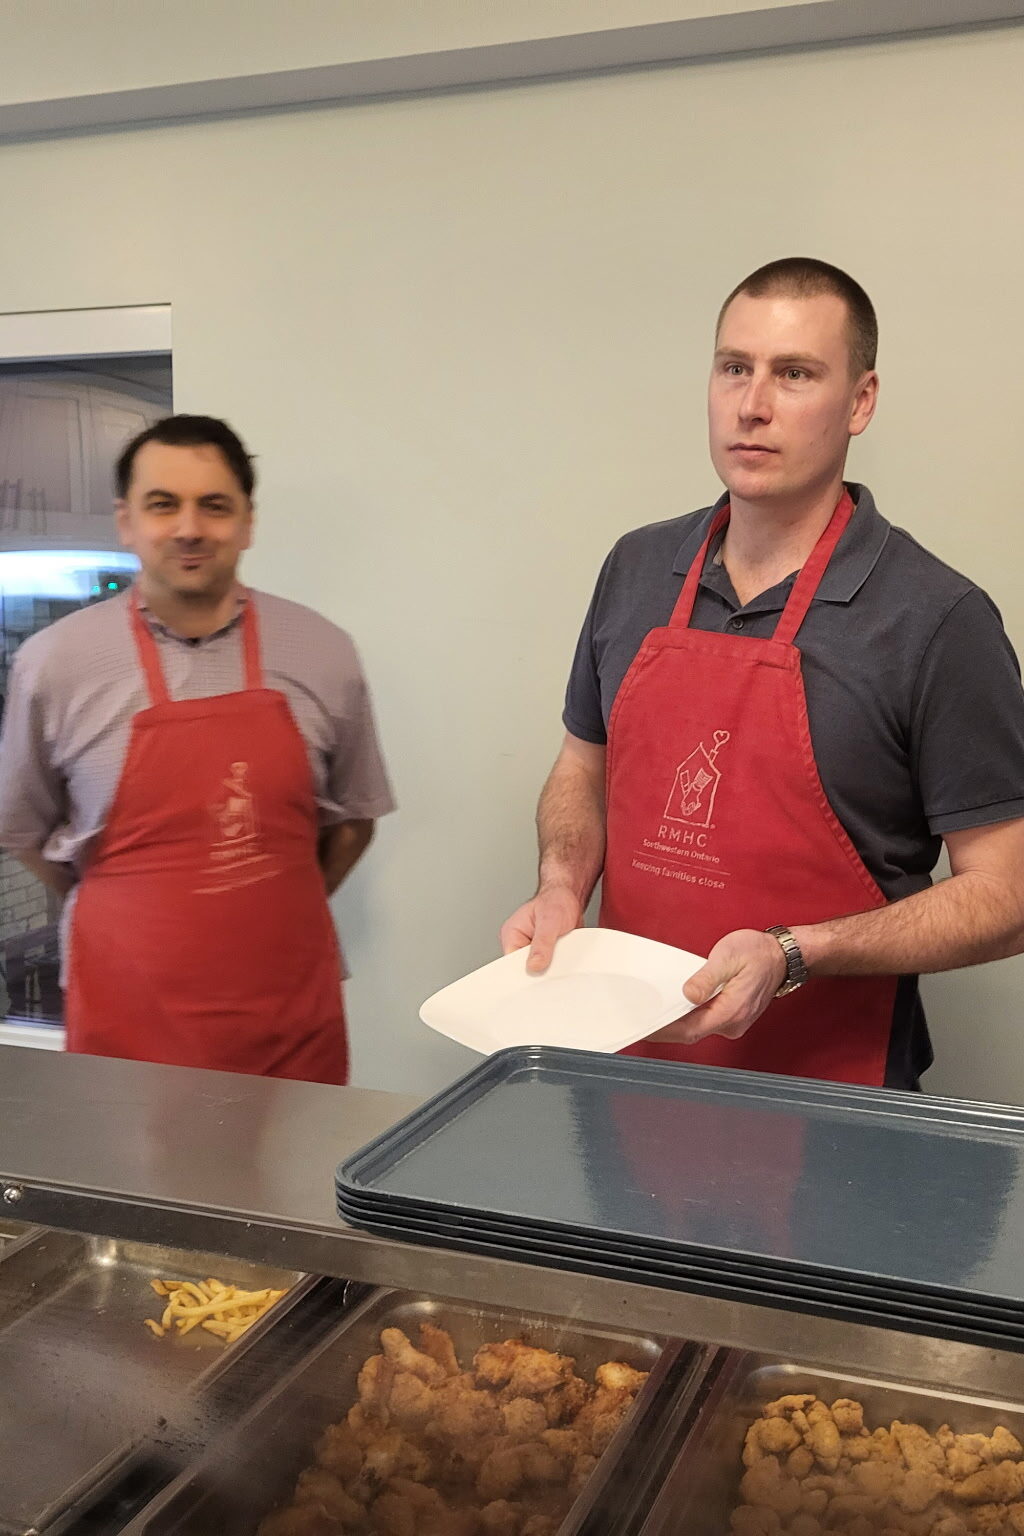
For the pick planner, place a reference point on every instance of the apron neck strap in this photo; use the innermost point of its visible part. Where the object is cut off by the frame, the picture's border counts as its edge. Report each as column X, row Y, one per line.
column 804, row 588
column 149, row 656
column 682, row 613
column 813, row 569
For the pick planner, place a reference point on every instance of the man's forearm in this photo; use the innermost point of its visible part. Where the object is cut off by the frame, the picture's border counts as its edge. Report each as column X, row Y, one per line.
column 570, row 828
column 341, row 848
column 965, row 920
column 56, row 877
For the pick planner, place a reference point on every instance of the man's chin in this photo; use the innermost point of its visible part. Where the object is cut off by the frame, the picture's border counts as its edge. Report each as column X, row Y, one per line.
column 201, row 589
column 755, row 488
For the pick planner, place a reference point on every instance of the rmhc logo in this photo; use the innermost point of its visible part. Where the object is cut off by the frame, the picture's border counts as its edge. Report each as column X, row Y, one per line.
column 692, row 798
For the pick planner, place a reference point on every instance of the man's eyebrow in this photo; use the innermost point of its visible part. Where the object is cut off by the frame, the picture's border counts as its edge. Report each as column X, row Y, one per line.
column 785, row 360
column 157, row 492
column 799, row 359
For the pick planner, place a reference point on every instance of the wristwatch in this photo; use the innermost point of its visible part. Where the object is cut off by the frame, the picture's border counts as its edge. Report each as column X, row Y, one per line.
column 796, row 970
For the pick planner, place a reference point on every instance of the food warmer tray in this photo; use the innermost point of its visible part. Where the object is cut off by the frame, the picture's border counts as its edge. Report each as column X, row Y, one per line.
column 253, row 1468
column 82, row 1380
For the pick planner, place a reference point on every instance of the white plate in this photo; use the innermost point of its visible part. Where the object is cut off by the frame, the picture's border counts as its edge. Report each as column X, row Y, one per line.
column 603, row 991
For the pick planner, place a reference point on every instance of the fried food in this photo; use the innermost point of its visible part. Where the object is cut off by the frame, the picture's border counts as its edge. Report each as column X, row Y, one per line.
column 429, row 1449
column 226, row 1311
column 813, row 1468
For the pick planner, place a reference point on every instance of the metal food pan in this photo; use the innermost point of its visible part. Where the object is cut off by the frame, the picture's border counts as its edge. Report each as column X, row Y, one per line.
column 11, row 1233
column 702, row 1488
column 254, row 1468
column 82, row 1381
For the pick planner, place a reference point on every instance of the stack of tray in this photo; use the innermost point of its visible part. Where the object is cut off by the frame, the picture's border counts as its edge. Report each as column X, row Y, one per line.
column 83, row 1382
column 884, row 1208
column 253, row 1467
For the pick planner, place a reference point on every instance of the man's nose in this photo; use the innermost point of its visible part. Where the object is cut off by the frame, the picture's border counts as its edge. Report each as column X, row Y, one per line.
column 188, row 524
column 755, row 404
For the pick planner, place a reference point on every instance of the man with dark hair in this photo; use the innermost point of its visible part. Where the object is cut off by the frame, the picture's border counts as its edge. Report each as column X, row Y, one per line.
column 779, row 709
column 195, row 765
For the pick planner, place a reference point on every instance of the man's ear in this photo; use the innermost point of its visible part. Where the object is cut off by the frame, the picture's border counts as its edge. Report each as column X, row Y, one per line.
column 864, row 403
column 122, row 522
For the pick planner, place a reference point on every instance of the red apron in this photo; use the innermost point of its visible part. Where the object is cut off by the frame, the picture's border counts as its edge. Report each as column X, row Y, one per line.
column 717, row 820
column 201, row 934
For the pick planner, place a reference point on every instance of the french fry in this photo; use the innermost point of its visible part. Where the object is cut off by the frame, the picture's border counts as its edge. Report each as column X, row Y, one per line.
column 223, row 1310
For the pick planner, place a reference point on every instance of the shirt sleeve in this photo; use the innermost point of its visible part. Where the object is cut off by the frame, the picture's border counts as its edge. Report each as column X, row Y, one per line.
column 32, row 792
column 583, row 715
column 967, row 724
column 357, row 781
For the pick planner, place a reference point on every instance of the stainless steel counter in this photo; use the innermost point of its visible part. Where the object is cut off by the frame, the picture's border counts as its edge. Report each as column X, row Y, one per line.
column 244, row 1166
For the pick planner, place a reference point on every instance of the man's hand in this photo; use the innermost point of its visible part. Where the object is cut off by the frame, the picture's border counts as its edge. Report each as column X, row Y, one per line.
column 554, row 911
column 749, row 967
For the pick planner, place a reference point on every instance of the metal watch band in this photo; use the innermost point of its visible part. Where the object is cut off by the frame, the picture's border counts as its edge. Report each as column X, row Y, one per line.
column 796, row 970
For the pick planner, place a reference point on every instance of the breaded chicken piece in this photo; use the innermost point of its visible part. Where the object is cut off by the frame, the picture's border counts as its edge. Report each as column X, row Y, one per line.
column 404, row 1357
column 800, row 1463
column 917, row 1490
column 525, row 1371
column 464, row 1414
column 410, row 1401
column 524, row 1418
column 920, row 1451
column 617, row 1377
column 509, row 1469
column 1005, row 1447
column 845, row 1506
column 987, row 1518
column 824, row 1440
column 318, row 1486
column 813, row 1501
column 501, row 1518
column 877, row 1478
column 999, row 1484
column 857, row 1448
column 804, row 1525
column 783, row 1407
column 339, row 1451
column 374, row 1386
column 769, row 1437
column 766, row 1483
column 437, row 1343
column 393, row 1455
column 848, row 1416
column 566, row 1400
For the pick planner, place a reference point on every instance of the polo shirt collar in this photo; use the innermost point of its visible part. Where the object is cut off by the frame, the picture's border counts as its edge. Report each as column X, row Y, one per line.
column 159, row 628
column 856, row 556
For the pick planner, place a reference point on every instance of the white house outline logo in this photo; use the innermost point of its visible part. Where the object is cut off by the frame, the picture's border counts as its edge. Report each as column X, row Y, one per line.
column 692, row 798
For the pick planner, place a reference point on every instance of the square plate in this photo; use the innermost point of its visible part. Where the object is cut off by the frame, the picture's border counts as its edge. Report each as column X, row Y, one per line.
column 604, row 990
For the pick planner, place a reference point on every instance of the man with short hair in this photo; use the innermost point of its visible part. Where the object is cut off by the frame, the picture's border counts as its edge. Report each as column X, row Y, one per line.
column 196, row 764
column 780, row 707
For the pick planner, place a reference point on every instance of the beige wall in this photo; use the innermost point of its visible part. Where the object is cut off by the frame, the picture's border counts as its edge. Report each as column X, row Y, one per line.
column 53, row 47
column 468, row 335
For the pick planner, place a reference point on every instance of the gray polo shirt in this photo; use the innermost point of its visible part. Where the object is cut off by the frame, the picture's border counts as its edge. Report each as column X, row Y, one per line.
column 76, row 686
column 913, row 692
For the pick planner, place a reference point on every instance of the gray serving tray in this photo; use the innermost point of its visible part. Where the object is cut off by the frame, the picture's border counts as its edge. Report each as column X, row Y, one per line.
column 802, row 1177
